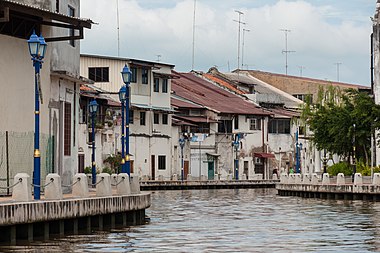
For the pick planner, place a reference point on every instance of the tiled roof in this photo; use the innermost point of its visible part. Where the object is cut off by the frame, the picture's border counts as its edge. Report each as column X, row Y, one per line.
column 211, row 96
column 262, row 74
column 224, row 84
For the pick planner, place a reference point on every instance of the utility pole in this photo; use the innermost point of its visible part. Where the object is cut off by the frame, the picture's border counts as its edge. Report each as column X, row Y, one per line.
column 193, row 55
column 118, row 28
column 239, row 22
column 337, row 69
column 242, row 48
column 301, row 69
column 286, row 51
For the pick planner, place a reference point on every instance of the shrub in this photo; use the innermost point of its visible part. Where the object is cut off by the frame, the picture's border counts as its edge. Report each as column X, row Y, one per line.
column 88, row 170
column 114, row 162
column 365, row 169
column 341, row 167
column 107, row 170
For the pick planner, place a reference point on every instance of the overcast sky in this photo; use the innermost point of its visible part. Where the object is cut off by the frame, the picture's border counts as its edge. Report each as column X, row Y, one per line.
column 322, row 33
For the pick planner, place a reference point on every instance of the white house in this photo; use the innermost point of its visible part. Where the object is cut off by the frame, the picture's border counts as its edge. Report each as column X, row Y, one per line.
column 150, row 116
column 59, row 23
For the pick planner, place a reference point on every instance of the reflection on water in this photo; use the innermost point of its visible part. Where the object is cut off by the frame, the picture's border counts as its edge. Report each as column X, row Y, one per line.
column 246, row 220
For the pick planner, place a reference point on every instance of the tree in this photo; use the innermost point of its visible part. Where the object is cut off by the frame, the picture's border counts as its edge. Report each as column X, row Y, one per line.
column 341, row 119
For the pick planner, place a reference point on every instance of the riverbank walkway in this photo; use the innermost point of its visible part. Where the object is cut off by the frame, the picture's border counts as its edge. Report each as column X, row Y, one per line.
column 104, row 205
column 326, row 187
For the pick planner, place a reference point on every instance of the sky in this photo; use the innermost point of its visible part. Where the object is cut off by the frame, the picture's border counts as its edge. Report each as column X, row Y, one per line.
column 324, row 35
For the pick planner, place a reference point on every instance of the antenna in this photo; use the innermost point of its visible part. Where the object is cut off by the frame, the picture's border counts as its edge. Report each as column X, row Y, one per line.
column 301, row 69
column 239, row 22
column 242, row 48
column 286, row 51
column 337, row 69
column 118, row 28
column 192, row 61
column 158, row 57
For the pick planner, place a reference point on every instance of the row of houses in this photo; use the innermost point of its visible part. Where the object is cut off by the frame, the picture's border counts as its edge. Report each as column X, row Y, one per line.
column 222, row 117
column 248, row 116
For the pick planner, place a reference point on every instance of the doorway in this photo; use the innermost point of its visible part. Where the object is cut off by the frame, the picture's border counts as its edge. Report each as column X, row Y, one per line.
column 185, row 169
column 153, row 168
column 211, row 171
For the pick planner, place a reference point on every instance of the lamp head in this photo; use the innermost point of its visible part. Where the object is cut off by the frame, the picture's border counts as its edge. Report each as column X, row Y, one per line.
column 123, row 93
column 43, row 46
column 93, row 107
column 34, row 45
column 126, row 75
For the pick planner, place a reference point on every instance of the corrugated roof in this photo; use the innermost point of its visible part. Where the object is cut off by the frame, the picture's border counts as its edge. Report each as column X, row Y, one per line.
column 58, row 16
column 184, row 104
column 203, row 92
column 224, row 84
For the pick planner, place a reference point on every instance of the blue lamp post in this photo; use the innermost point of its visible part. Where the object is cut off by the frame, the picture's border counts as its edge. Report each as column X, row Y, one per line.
column 182, row 145
column 37, row 49
column 122, row 95
column 93, row 108
column 236, row 145
column 126, row 75
column 297, row 154
column 300, row 158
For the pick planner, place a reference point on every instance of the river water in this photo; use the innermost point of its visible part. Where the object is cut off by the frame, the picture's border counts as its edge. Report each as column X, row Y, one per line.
column 244, row 220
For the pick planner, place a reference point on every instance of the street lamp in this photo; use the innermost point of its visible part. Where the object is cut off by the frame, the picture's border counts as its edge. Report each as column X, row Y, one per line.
column 324, row 161
column 300, row 158
column 182, row 145
column 354, row 155
column 236, row 144
column 93, row 108
column 126, row 75
column 37, row 49
column 122, row 97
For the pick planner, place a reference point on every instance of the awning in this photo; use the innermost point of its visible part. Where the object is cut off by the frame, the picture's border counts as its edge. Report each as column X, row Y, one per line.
column 213, row 154
column 264, row 155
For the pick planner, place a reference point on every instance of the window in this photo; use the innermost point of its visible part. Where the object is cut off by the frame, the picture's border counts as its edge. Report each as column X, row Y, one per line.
column 254, row 124
column 144, row 76
column 57, row 6
column 142, row 118
column 279, row 126
column 71, row 13
column 100, row 74
column 203, row 128
column 236, row 122
column 156, row 86
column 133, row 75
column 225, row 126
column 162, row 162
column 164, row 119
column 131, row 117
column 156, row 118
column 67, row 129
column 304, row 97
column 165, row 85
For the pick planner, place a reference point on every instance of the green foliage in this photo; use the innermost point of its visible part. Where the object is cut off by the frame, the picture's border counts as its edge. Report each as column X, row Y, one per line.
column 340, row 119
column 107, row 170
column 365, row 169
column 87, row 170
column 114, row 162
column 341, row 167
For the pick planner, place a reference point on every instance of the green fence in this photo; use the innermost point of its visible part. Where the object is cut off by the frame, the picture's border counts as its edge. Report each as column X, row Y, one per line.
column 16, row 156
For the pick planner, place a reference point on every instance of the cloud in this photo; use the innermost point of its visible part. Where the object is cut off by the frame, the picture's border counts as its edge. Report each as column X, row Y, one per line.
column 320, row 34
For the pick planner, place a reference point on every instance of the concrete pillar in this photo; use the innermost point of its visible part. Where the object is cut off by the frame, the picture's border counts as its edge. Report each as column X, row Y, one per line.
column 123, row 186
column 284, row 178
column 189, row 177
column 306, row 179
column 314, row 179
column 113, row 179
column 30, row 232
column 358, row 179
column 100, row 222
column 297, row 178
column 61, row 227
column 376, row 179
column 75, row 226
column 203, row 178
column 325, row 179
column 317, row 163
column 80, row 189
column 160, row 178
column 291, row 179
column 175, row 177
column 22, row 190
column 135, row 185
column 103, row 187
column 340, row 179
column 112, row 220
column 46, row 231
column 88, row 224
column 13, row 235
column 243, row 177
column 54, row 189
